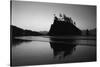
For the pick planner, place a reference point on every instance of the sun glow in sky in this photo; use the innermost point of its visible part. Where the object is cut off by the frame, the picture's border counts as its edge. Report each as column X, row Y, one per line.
column 38, row 16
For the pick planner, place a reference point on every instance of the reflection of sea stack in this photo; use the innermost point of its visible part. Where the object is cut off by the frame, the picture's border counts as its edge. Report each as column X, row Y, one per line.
column 61, row 50
column 64, row 26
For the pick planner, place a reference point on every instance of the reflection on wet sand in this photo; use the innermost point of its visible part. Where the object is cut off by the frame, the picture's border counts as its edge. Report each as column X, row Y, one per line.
column 61, row 50
column 40, row 50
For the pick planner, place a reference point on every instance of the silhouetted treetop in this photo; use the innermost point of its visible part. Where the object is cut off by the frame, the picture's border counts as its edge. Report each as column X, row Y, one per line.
column 63, row 18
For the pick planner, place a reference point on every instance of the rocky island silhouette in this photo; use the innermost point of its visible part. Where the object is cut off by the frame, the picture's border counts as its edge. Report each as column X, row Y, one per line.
column 63, row 26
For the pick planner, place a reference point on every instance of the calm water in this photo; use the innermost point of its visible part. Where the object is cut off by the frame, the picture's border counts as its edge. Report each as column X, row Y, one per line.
column 33, row 50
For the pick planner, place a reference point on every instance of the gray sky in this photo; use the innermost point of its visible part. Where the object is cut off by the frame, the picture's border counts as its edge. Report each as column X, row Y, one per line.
column 38, row 16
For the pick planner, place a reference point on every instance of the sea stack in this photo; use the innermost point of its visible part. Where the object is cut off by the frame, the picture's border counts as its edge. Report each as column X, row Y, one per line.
column 63, row 26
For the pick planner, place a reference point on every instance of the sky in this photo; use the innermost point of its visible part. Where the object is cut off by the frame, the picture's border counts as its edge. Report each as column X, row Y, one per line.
column 39, row 16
